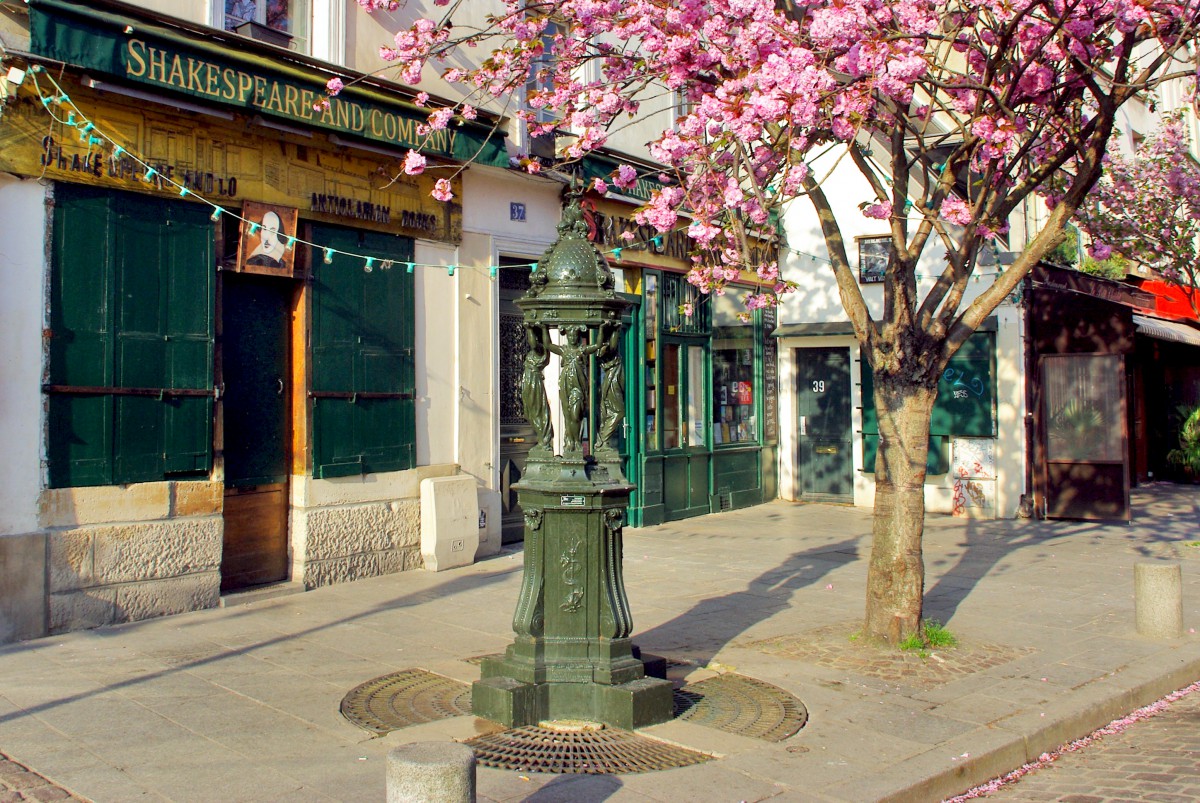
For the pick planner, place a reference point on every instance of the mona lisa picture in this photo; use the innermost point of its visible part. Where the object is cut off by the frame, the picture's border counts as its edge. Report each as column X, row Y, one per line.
column 262, row 247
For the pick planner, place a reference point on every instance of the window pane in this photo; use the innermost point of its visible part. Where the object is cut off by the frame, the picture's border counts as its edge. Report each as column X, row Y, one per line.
column 669, row 414
column 1083, row 408
column 651, row 307
column 697, row 410
column 733, row 392
column 239, row 11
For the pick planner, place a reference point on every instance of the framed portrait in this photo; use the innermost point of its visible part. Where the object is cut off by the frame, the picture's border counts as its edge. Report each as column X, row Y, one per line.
column 262, row 246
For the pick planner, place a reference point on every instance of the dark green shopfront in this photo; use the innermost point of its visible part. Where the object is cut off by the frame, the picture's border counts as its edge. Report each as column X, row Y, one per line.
column 702, row 399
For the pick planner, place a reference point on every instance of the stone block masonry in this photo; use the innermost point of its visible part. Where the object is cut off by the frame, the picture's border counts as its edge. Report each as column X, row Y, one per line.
column 122, row 554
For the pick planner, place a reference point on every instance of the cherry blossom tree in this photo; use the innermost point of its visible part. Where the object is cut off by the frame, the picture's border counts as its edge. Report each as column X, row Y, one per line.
column 1146, row 207
column 956, row 112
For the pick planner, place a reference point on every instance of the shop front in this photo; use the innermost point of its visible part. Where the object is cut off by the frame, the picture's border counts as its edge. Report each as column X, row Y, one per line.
column 231, row 361
column 700, row 389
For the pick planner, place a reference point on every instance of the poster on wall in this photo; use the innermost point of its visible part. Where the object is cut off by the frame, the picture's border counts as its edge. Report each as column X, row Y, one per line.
column 262, row 247
column 973, row 467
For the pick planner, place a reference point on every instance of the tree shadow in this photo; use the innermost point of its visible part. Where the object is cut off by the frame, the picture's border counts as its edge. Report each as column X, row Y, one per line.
column 453, row 586
column 1174, row 512
column 697, row 635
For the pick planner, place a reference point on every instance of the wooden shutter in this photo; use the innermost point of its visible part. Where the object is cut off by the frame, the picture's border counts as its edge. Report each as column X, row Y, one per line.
column 363, row 373
column 131, row 355
column 79, row 448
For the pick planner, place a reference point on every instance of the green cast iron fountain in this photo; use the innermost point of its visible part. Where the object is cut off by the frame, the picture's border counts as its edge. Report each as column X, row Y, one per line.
column 572, row 657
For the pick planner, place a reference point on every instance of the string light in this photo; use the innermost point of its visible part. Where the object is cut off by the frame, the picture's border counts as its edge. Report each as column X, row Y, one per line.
column 151, row 173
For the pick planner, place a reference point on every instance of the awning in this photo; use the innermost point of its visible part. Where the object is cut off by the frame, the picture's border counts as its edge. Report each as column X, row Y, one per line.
column 1167, row 330
column 172, row 60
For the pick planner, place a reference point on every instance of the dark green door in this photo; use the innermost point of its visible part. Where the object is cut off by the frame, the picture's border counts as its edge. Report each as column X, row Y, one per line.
column 627, row 440
column 823, row 398
column 254, row 373
column 683, row 403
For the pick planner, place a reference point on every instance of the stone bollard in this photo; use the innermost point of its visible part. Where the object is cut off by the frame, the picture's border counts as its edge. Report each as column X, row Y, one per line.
column 431, row 772
column 1158, row 599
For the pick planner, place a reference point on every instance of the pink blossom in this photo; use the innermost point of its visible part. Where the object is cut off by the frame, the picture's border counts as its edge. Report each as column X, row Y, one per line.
column 599, row 186
column 956, row 211
column 441, row 190
column 414, row 163
column 421, row 99
column 626, row 177
column 321, row 105
column 334, row 85
column 881, row 210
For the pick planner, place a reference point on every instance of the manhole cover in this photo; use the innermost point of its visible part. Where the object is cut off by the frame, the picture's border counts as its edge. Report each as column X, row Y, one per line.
column 404, row 698
column 607, row 751
column 741, row 705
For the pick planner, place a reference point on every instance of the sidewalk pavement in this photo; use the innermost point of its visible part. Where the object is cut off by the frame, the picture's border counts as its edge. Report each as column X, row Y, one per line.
column 241, row 703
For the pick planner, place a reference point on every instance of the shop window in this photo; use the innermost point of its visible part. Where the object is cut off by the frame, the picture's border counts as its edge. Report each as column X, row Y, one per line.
column 965, row 405
column 733, row 388
column 678, row 297
column 651, row 360
column 364, row 414
column 130, row 387
column 278, row 22
column 1084, row 409
column 873, row 258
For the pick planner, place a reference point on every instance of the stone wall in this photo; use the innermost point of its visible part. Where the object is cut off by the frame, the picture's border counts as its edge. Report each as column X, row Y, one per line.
column 120, row 554
column 354, row 527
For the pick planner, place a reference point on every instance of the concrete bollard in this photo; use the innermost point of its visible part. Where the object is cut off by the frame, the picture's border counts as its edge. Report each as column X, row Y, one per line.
column 431, row 772
column 1158, row 599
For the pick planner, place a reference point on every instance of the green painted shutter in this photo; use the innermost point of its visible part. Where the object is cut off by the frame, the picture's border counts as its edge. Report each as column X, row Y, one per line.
column 79, row 448
column 363, row 373
column 188, row 351
column 131, row 307
column 964, row 407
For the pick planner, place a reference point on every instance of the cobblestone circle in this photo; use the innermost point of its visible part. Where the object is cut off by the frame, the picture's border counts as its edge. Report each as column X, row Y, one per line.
column 831, row 646
column 18, row 783
column 1156, row 759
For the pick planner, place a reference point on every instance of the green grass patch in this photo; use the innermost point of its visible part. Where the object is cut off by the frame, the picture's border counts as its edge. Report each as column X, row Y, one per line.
column 933, row 635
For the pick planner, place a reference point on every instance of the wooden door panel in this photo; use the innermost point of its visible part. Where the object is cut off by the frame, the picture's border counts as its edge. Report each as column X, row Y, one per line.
column 255, row 548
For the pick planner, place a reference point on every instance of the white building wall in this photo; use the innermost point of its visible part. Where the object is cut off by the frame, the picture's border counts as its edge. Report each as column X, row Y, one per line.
column 818, row 301
column 22, row 316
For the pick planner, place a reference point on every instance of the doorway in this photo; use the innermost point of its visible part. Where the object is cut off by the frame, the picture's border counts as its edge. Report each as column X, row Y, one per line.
column 255, row 375
column 516, row 435
column 826, row 459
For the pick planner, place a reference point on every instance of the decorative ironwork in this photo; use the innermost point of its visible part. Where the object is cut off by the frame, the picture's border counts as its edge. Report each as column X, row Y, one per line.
column 513, row 349
column 592, row 751
column 408, row 697
column 741, row 705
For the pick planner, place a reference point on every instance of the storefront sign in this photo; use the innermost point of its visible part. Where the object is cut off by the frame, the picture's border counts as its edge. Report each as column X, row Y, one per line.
column 163, row 58
column 222, row 162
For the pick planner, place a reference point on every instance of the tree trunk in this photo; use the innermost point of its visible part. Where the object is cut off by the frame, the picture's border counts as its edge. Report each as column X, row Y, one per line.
column 896, row 577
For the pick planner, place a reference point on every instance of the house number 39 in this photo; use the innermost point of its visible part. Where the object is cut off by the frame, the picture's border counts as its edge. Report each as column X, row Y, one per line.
column 818, row 386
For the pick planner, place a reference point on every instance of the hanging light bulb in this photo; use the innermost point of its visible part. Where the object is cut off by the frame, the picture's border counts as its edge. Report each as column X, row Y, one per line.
column 216, row 215
column 184, row 192
column 450, row 269
column 254, row 227
column 290, row 244
column 369, row 265
column 409, row 266
column 492, row 271
column 151, row 173
column 328, row 256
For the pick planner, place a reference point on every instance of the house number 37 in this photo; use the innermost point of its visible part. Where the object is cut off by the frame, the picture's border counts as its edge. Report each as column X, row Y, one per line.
column 818, row 386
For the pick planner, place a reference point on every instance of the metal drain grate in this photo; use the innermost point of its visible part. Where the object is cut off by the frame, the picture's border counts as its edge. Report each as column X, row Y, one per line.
column 608, row 751
column 404, row 698
column 741, row 705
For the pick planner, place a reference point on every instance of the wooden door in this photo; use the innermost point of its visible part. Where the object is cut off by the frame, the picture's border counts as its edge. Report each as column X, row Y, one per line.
column 255, row 377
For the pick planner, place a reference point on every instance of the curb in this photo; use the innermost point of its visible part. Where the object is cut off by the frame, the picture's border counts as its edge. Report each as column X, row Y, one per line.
column 1138, row 684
